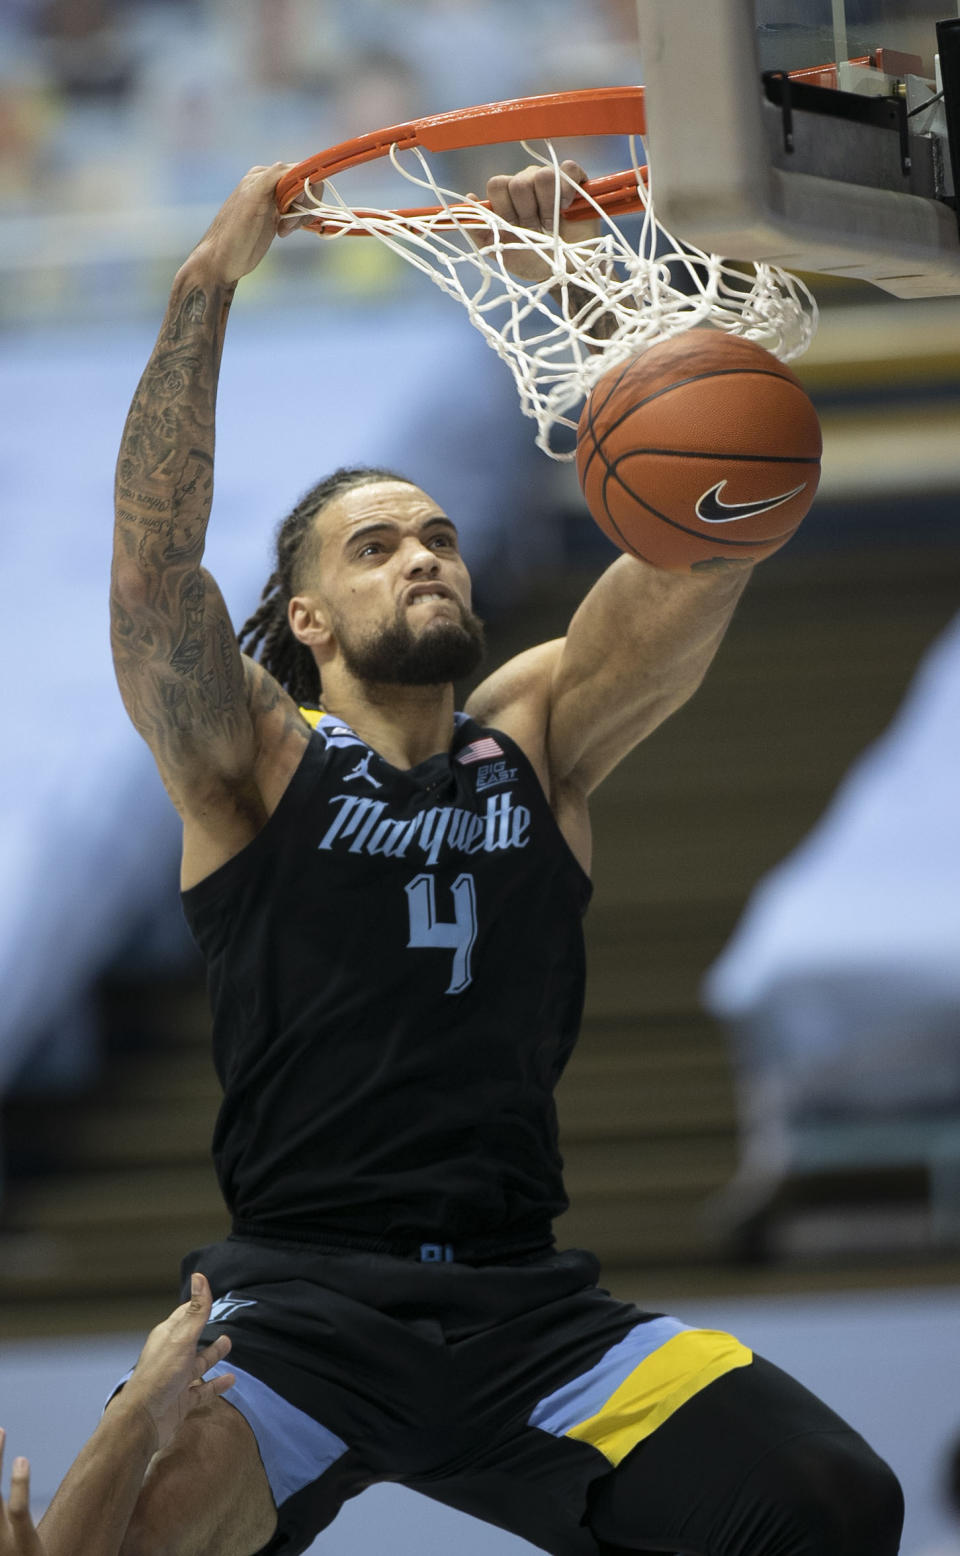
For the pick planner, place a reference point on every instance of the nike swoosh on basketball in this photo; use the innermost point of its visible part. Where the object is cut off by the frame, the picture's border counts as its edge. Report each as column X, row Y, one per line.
column 712, row 510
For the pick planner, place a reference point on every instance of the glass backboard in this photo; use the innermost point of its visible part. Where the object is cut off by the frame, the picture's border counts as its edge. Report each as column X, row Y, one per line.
column 818, row 134
column 799, row 34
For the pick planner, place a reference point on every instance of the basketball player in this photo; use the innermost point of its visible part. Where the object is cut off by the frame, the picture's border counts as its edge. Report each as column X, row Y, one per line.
column 389, row 896
column 91, row 1511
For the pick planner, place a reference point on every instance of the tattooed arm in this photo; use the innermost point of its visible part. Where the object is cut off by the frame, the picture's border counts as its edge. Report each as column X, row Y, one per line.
column 213, row 721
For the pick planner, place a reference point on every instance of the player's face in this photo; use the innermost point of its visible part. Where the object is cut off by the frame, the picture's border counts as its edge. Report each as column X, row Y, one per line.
column 396, row 587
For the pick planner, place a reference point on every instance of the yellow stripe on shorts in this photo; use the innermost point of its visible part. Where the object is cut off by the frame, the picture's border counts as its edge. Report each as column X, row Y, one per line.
column 637, row 1384
column 664, row 1380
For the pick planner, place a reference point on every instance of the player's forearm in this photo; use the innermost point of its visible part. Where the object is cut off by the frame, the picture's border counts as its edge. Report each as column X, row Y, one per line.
column 164, row 480
column 695, row 612
column 92, row 1509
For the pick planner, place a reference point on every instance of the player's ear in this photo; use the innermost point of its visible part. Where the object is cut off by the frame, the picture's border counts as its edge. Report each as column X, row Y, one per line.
column 309, row 622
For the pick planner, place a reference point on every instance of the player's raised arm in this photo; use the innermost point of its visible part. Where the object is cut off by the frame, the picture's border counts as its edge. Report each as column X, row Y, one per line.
column 637, row 648
column 177, row 662
column 643, row 638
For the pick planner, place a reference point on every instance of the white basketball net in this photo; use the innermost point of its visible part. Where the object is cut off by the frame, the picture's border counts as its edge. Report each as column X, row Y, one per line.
column 600, row 299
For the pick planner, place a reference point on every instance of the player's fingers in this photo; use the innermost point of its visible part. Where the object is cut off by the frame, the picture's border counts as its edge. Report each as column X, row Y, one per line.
column 202, row 1392
column 498, row 193
column 213, row 1354
column 575, row 172
column 515, row 198
column 201, row 1298
column 189, row 1318
column 207, row 1358
column 197, row 1305
column 304, row 221
column 525, row 197
column 259, row 183
column 275, row 171
column 293, row 221
column 480, row 237
column 19, row 1503
column 548, row 188
column 528, row 198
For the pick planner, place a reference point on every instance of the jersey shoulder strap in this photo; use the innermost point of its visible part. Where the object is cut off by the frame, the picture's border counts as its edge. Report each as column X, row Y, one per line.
column 334, row 733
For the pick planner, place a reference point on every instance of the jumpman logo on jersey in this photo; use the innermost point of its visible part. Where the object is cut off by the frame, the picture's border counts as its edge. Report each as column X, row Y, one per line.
column 362, row 770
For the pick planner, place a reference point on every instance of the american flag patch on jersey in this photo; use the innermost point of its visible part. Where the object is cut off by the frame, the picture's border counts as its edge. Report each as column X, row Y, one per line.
column 479, row 751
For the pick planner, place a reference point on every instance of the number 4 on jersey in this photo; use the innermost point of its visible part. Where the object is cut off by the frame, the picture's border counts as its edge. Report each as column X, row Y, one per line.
column 426, row 930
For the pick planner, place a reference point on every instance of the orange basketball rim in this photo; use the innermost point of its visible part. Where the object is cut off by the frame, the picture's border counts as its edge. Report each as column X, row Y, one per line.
column 612, row 110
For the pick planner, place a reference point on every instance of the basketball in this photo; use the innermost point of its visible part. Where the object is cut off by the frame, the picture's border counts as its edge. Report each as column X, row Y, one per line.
column 702, row 450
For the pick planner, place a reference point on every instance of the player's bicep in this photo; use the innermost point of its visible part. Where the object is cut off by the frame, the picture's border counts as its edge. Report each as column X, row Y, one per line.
column 182, row 680
column 595, row 724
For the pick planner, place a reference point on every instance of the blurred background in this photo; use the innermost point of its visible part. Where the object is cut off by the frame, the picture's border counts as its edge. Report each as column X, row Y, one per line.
column 762, row 1122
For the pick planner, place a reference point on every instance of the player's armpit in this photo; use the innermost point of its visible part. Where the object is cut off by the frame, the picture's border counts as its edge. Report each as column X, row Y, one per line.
column 637, row 648
column 225, row 811
column 280, row 731
column 516, row 699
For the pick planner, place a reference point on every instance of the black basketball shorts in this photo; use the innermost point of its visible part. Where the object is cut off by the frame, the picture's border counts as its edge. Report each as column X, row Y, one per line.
column 507, row 1391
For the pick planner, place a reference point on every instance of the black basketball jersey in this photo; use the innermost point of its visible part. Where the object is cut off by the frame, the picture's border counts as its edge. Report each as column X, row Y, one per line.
column 396, row 969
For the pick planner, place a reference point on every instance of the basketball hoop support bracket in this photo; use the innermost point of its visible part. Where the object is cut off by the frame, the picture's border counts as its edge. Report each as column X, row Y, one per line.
column 884, row 113
column 948, row 45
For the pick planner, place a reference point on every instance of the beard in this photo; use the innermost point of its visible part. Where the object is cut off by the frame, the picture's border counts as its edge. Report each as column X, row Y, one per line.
column 395, row 655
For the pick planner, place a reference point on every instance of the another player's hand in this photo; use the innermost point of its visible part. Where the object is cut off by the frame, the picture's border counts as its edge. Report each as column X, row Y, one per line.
column 245, row 225
column 18, row 1537
column 527, row 199
column 166, row 1383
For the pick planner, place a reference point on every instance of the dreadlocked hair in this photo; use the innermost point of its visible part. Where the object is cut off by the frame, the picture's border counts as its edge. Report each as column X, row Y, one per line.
column 266, row 635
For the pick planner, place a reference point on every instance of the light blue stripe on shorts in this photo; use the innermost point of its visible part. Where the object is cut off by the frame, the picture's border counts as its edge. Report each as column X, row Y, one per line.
column 582, row 1397
column 295, row 1448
